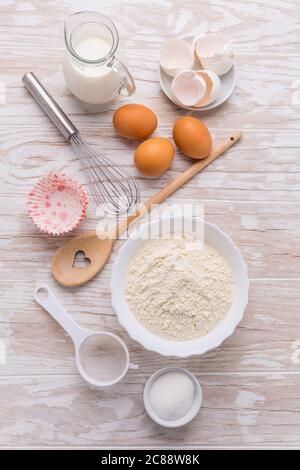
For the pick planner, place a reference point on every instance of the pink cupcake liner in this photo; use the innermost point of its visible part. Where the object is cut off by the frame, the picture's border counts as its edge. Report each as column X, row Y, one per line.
column 57, row 204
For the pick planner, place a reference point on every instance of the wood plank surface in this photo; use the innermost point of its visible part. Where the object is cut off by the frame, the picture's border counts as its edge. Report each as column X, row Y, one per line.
column 262, row 342
column 61, row 410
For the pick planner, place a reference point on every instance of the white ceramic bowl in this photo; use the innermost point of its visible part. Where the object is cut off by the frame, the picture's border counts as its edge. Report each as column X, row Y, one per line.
column 224, row 245
column 228, row 82
column 191, row 414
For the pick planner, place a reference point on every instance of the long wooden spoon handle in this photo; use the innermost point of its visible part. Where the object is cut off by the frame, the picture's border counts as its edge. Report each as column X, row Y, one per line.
column 179, row 181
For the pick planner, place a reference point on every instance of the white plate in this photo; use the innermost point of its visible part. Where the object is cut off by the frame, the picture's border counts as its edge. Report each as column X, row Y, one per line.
column 228, row 82
column 224, row 245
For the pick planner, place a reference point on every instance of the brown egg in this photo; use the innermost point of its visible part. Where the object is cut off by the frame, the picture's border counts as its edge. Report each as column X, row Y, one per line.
column 192, row 137
column 154, row 156
column 134, row 121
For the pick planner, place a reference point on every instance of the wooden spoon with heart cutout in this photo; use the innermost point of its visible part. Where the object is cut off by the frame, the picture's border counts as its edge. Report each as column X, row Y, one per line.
column 97, row 250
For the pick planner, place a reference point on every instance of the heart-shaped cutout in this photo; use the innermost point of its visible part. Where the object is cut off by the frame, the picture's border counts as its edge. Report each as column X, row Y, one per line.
column 67, row 266
column 80, row 260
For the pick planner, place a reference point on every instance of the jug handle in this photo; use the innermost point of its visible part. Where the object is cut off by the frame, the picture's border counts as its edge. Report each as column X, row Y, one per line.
column 127, row 87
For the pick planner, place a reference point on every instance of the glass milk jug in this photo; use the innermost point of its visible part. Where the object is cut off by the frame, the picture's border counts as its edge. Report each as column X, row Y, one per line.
column 93, row 65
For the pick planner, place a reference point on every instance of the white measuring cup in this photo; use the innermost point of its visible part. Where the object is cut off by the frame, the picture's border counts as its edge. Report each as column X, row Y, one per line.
column 102, row 358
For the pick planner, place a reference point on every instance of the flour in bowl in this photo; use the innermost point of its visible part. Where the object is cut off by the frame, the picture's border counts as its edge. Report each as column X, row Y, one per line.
column 177, row 289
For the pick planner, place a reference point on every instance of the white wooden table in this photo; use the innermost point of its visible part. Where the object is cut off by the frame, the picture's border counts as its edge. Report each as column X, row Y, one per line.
column 251, row 383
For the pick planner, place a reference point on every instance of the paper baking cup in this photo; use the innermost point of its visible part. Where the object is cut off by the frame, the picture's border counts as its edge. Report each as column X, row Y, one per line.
column 57, row 204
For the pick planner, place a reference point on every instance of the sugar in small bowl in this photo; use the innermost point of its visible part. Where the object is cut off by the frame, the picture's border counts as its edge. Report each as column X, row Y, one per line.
column 172, row 397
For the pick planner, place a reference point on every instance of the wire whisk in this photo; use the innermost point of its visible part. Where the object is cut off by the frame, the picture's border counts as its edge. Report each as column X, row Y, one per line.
column 112, row 187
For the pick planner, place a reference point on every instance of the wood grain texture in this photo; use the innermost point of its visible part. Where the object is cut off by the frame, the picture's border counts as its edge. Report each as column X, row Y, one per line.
column 264, row 82
column 251, row 382
column 263, row 341
column 266, row 233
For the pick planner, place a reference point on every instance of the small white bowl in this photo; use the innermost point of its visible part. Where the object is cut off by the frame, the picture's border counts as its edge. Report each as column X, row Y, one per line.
column 225, row 246
column 193, row 411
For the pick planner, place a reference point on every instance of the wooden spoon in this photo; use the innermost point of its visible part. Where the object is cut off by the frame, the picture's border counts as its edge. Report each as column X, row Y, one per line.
column 98, row 250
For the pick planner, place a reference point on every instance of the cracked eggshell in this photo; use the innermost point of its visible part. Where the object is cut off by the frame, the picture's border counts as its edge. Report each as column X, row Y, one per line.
column 176, row 55
column 214, row 53
column 213, row 87
column 189, row 87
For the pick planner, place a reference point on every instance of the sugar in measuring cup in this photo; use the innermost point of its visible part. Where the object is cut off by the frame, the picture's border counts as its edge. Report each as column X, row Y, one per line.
column 102, row 358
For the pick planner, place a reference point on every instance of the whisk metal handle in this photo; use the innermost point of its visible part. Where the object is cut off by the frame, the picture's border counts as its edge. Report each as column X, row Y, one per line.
column 49, row 105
